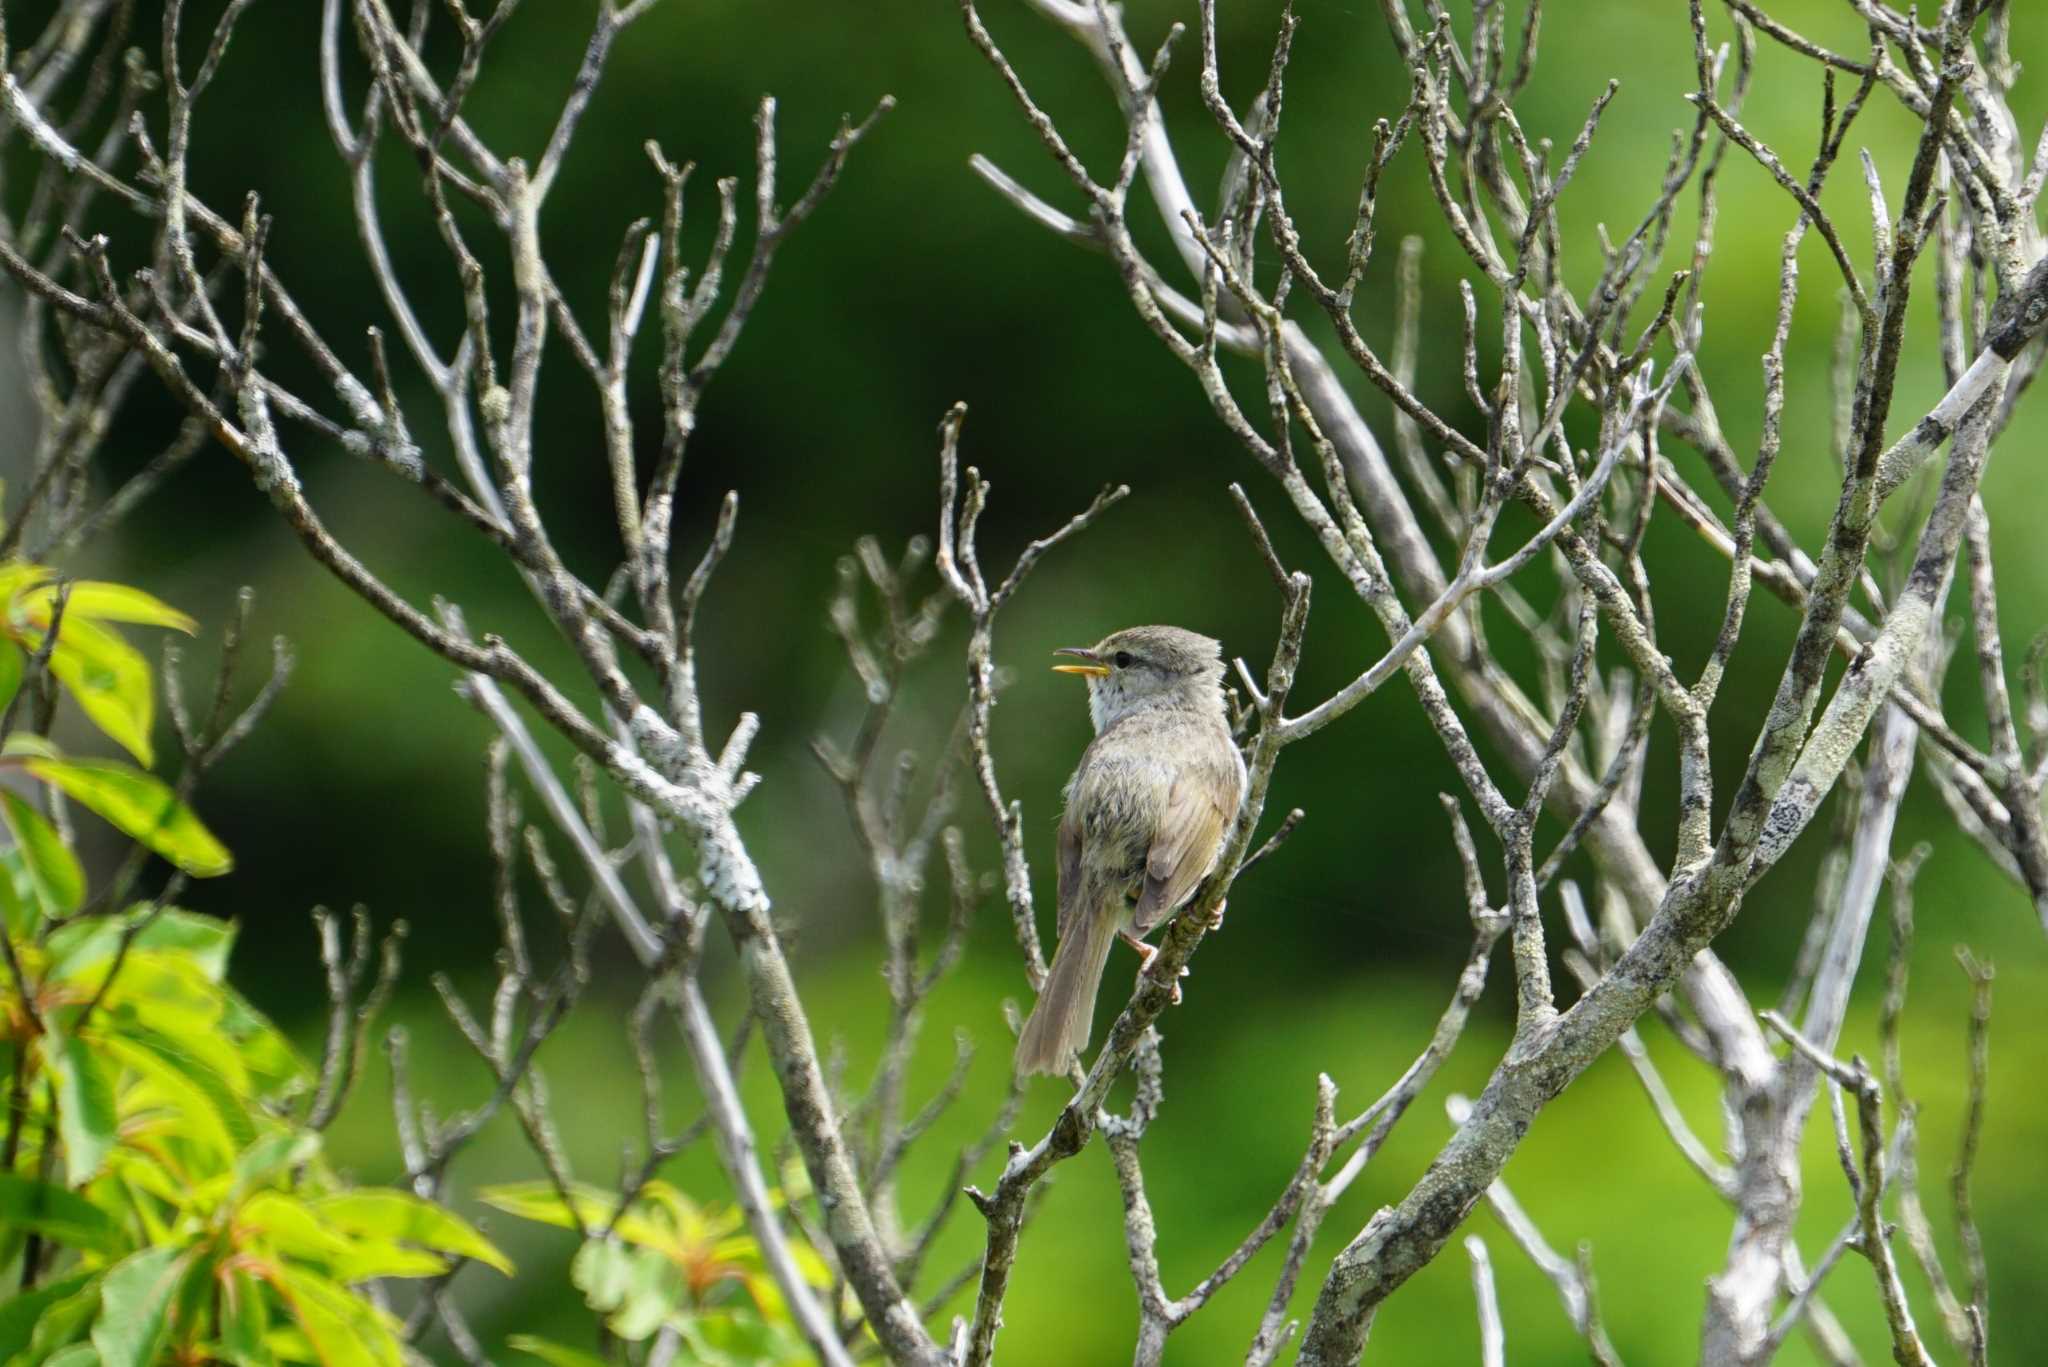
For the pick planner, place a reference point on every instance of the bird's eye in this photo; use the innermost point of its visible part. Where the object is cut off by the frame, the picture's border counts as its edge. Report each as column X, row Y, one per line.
column 1123, row 659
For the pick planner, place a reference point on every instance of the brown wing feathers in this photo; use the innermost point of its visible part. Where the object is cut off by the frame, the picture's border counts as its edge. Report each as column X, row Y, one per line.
column 1190, row 834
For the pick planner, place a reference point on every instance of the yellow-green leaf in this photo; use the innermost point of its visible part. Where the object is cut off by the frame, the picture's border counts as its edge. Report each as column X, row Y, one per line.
column 392, row 1214
column 538, row 1200
column 141, row 805
column 288, row 1227
column 211, row 1109
column 374, row 1258
column 810, row 1263
column 110, row 680
column 205, row 941
column 553, row 1354
column 52, row 867
column 97, row 601
column 17, row 576
column 287, row 1344
column 343, row 1329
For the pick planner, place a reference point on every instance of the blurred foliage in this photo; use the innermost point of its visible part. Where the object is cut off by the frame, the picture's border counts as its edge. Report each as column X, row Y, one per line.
column 915, row 287
column 665, row 1261
column 195, row 1221
column 157, row 1200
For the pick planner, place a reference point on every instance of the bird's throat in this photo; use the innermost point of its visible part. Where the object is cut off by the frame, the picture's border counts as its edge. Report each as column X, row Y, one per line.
column 1109, row 702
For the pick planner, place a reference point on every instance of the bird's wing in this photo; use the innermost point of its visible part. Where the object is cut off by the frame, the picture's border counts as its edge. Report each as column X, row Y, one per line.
column 1070, row 872
column 1190, row 831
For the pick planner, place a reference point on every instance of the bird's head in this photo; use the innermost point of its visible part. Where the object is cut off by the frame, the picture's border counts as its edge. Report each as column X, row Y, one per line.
column 1141, row 667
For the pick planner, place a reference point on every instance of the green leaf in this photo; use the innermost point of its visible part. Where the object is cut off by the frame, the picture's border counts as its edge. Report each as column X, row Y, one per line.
column 21, row 912
column 97, row 601
column 209, row 1103
column 635, row 1289
column 149, row 1189
column 12, row 665
column 205, row 940
column 64, row 1321
column 392, row 1214
column 552, row 1353
column 272, row 1154
column 63, row 1215
column 77, row 1355
column 135, row 1306
column 738, row 1338
column 198, row 1294
column 19, row 1316
column 343, row 1329
column 52, row 867
column 143, row 806
column 268, row 1056
column 244, row 1317
column 110, row 680
column 602, row 1271
column 85, row 1104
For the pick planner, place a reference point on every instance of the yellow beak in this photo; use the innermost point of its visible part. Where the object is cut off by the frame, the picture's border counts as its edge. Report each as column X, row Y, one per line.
column 1091, row 666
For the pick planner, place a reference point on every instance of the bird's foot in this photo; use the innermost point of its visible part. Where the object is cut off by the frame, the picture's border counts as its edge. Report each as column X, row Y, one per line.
column 1146, row 954
column 1216, row 916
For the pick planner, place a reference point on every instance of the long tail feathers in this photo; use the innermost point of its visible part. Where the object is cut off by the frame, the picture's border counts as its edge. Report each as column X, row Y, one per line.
column 1059, row 1026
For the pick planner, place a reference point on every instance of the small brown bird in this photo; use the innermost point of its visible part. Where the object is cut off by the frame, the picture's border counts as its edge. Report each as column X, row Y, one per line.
column 1146, row 815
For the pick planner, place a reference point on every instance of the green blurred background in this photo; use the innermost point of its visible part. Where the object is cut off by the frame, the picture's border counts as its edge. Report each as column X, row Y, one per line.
column 915, row 287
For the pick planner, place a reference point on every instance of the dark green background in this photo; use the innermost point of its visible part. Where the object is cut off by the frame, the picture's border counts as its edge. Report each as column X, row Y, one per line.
column 915, row 287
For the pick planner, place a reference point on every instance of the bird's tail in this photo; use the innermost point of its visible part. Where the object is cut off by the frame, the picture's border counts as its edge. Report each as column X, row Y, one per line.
column 1059, row 1026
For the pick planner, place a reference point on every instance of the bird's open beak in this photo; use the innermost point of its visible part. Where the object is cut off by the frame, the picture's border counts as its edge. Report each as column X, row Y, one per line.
column 1091, row 664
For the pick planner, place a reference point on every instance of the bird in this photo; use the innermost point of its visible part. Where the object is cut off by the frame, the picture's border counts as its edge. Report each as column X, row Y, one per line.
column 1146, row 815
